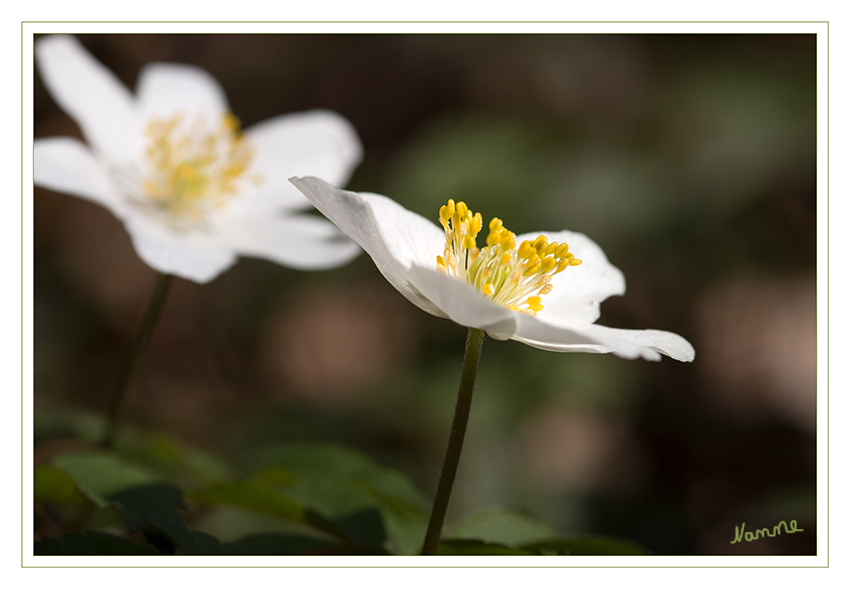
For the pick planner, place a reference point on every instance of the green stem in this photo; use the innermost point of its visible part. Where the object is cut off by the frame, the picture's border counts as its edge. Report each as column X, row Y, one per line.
column 474, row 343
column 155, row 304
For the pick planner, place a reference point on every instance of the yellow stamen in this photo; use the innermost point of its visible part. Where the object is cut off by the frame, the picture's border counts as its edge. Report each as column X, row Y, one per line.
column 514, row 276
column 191, row 168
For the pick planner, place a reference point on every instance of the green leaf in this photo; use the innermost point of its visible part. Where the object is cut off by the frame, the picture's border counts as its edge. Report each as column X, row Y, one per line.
column 478, row 547
column 502, row 526
column 254, row 495
column 156, row 510
column 364, row 527
column 267, row 544
column 53, row 485
column 163, row 454
column 336, row 481
column 99, row 474
column 90, row 543
column 591, row 545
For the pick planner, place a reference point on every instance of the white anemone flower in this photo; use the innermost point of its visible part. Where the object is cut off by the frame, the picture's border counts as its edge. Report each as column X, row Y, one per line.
column 171, row 162
column 544, row 292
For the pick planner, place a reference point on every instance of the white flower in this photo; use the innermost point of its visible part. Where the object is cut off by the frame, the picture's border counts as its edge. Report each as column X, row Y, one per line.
column 171, row 163
column 544, row 292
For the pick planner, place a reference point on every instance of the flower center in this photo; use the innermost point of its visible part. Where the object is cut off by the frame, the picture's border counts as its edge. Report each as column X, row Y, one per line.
column 192, row 169
column 515, row 277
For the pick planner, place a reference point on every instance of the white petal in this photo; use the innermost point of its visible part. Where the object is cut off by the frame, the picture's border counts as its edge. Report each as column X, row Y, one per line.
column 305, row 242
column 91, row 94
column 463, row 304
column 626, row 343
column 317, row 143
column 66, row 165
column 190, row 256
column 578, row 290
column 395, row 238
column 169, row 89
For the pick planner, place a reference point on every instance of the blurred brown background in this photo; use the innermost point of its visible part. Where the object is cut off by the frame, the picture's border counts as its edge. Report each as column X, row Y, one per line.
column 689, row 158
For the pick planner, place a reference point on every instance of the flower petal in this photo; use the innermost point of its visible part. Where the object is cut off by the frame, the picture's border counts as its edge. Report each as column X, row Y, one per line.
column 463, row 304
column 317, row 143
column 193, row 257
column 91, row 94
column 167, row 89
column 305, row 242
column 395, row 238
column 626, row 343
column 66, row 165
column 578, row 290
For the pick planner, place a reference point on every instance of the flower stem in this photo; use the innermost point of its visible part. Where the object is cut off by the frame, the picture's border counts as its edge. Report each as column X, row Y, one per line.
column 155, row 304
column 474, row 343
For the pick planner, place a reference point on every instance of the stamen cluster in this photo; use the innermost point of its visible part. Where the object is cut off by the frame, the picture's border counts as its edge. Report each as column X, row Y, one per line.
column 192, row 169
column 516, row 277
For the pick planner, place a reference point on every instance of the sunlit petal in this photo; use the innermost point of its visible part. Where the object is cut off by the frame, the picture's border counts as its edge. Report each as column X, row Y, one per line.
column 395, row 238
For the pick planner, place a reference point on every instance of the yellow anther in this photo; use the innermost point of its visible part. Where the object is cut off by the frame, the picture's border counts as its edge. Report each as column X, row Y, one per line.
column 231, row 123
column 526, row 250
column 532, row 270
column 575, row 262
column 515, row 277
column 191, row 169
column 548, row 264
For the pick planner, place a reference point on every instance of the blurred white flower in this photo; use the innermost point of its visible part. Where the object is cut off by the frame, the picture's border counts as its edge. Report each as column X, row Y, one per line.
column 500, row 288
column 171, row 163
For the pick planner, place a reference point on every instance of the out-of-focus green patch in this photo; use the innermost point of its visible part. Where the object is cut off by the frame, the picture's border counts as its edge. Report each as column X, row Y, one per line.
column 68, row 424
column 582, row 546
column 494, row 164
column 251, row 494
column 166, row 455
column 54, row 485
column 502, row 526
column 336, row 482
column 478, row 548
column 99, row 474
column 91, row 543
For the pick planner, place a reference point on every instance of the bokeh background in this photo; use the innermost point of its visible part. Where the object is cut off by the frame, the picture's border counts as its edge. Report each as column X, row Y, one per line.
column 690, row 159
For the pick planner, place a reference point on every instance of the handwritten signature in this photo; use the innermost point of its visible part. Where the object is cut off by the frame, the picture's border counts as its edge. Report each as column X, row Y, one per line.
column 750, row 536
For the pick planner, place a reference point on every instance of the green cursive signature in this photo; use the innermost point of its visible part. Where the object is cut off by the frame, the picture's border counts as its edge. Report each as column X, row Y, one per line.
column 750, row 536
